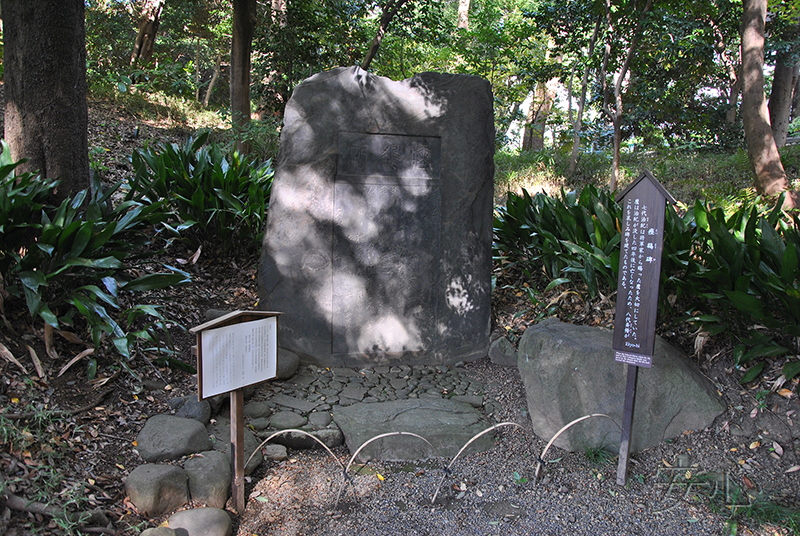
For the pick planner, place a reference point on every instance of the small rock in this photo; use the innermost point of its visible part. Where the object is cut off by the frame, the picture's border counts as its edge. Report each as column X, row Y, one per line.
column 153, row 385
column 284, row 420
column 319, row 419
column 213, row 314
column 202, row 522
column 158, row 531
column 331, row 437
column 209, row 478
column 199, row 410
column 221, row 432
column 157, row 489
column 166, row 437
column 257, row 410
column 503, row 353
column 288, row 363
column 259, row 424
column 276, row 453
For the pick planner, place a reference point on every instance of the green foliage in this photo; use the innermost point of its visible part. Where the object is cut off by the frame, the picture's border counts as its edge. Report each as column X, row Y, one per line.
column 598, row 456
column 571, row 235
column 738, row 274
column 734, row 273
column 66, row 261
column 217, row 198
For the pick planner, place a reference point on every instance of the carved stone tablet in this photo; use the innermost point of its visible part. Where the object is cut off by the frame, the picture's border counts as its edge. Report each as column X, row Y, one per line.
column 378, row 242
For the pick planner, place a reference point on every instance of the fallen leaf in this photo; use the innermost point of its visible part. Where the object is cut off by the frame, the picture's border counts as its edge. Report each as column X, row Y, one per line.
column 778, row 448
column 69, row 336
column 196, row 255
column 793, row 469
column 754, row 445
column 748, row 482
column 48, row 342
column 8, row 356
column 785, row 393
column 754, row 413
column 666, row 462
column 380, row 477
column 75, row 359
column 36, row 363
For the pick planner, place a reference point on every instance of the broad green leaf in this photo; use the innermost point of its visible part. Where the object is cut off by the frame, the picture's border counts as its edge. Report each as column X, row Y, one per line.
column 791, row 369
column 752, row 373
column 154, row 282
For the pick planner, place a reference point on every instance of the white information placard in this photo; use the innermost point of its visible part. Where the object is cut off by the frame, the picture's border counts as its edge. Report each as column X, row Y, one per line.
column 238, row 355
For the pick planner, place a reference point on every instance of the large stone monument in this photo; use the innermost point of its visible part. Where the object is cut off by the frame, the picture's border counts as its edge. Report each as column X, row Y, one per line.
column 378, row 241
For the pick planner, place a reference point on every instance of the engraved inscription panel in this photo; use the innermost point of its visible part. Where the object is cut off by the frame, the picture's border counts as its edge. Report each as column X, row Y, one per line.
column 387, row 219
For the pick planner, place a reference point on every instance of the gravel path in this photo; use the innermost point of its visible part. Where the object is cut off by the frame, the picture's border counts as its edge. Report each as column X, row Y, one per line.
column 686, row 486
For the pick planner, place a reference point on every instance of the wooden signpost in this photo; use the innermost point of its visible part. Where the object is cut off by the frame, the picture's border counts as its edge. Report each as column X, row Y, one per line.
column 642, row 226
column 234, row 351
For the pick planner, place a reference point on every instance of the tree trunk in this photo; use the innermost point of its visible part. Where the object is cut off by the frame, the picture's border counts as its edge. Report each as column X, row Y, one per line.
column 578, row 123
column 146, row 38
column 390, row 9
column 463, row 14
column 770, row 178
column 614, row 112
column 244, row 21
column 46, row 118
column 780, row 100
column 533, row 135
column 213, row 81
column 734, row 84
column 796, row 98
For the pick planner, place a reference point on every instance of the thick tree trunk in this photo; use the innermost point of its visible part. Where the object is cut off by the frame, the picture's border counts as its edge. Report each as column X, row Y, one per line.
column 244, row 21
column 770, row 177
column 46, row 114
column 148, row 28
column 533, row 135
column 463, row 14
column 390, row 9
column 796, row 98
column 780, row 100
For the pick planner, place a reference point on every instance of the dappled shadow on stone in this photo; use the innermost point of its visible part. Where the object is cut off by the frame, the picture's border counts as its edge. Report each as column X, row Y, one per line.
column 378, row 244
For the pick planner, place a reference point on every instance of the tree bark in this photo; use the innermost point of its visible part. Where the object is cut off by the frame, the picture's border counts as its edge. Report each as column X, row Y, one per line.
column 769, row 175
column 614, row 112
column 244, row 22
column 148, row 28
column 780, row 100
column 796, row 98
column 390, row 9
column 533, row 135
column 463, row 14
column 46, row 118
column 578, row 123
column 214, row 77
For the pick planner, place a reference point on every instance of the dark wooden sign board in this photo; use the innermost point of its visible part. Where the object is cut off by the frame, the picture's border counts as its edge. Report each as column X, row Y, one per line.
column 642, row 227
column 235, row 351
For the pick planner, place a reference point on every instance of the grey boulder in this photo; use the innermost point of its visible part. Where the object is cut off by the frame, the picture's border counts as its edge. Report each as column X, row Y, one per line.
column 446, row 424
column 209, row 478
column 201, row 522
column 221, row 432
column 157, row 489
column 166, row 437
column 569, row 372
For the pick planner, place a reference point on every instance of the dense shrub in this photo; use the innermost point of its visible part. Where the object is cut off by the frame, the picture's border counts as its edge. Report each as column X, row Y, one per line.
column 219, row 198
column 733, row 273
column 66, row 261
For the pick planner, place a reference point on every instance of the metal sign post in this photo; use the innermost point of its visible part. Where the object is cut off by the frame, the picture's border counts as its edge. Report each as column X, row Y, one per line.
column 233, row 352
column 642, row 226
